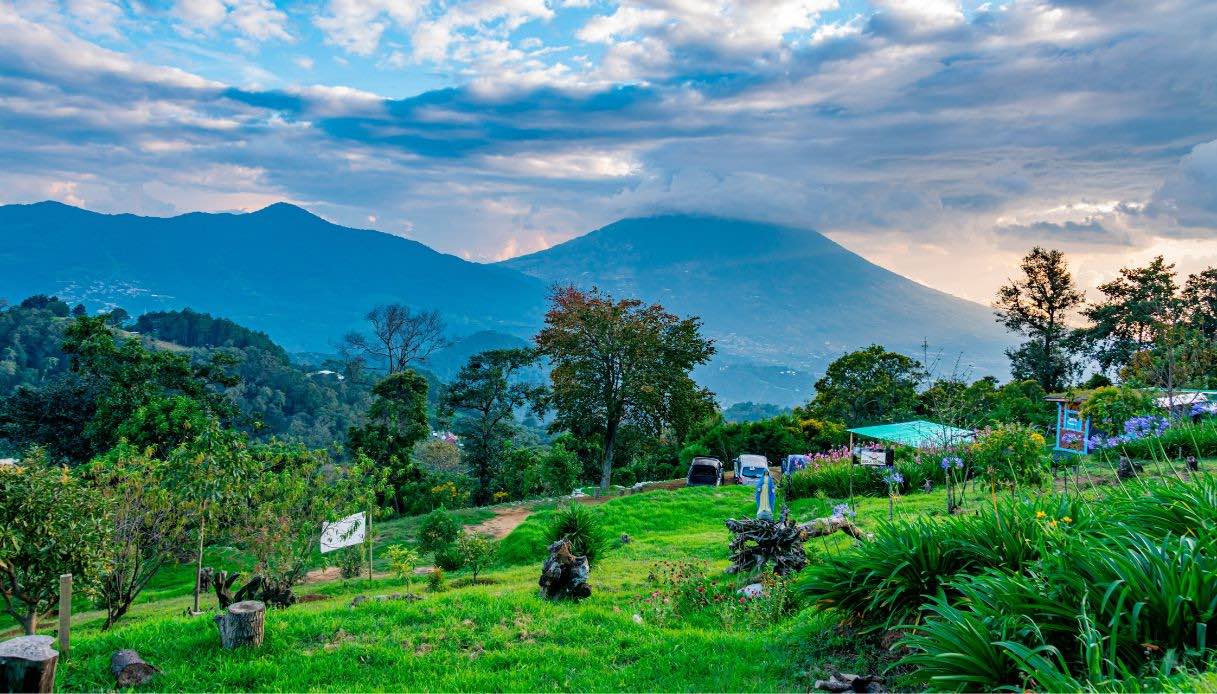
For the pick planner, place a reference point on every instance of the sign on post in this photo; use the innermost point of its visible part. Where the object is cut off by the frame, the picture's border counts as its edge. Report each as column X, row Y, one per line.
column 344, row 533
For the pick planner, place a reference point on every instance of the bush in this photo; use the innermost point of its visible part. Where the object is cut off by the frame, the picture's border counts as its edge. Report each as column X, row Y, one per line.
column 350, row 562
column 402, row 560
column 842, row 480
column 578, row 524
column 1109, row 407
column 438, row 530
column 1013, row 453
column 435, row 580
column 477, row 550
column 1179, row 441
column 449, row 558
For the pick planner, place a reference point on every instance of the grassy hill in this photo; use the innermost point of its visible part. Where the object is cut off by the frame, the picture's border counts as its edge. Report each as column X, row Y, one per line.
column 501, row 635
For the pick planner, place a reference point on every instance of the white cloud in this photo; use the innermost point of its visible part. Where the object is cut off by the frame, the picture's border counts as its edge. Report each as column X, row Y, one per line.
column 255, row 19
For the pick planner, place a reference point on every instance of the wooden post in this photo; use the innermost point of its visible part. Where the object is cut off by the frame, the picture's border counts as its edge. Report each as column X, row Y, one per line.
column 65, row 613
column 369, row 522
column 27, row 664
column 243, row 624
column 198, row 567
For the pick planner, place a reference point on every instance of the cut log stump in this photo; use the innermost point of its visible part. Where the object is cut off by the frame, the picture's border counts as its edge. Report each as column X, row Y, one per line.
column 130, row 670
column 243, row 624
column 563, row 575
column 756, row 542
column 27, row 664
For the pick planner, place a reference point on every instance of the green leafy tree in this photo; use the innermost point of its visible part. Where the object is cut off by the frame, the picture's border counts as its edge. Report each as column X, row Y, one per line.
column 294, row 492
column 396, row 421
column 1200, row 302
column 212, row 474
column 147, row 526
column 617, row 362
column 1012, row 453
column 1038, row 305
column 478, row 551
column 127, row 376
column 438, row 530
column 1022, row 402
column 1137, row 307
column 485, row 396
column 50, row 524
column 868, row 386
column 51, row 417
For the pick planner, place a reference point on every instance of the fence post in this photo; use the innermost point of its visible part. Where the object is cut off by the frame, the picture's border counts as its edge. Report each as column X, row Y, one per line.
column 65, row 613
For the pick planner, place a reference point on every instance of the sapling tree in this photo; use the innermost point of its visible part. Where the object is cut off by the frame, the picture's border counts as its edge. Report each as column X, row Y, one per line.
column 1038, row 305
column 296, row 490
column 147, row 525
column 477, row 550
column 50, row 524
column 212, row 474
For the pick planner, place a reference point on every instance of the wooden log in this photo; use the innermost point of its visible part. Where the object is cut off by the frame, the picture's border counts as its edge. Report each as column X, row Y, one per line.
column 27, row 664
column 243, row 624
column 755, row 542
column 130, row 670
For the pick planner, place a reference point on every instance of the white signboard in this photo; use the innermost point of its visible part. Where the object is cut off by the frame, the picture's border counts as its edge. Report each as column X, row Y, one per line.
column 344, row 533
column 870, row 457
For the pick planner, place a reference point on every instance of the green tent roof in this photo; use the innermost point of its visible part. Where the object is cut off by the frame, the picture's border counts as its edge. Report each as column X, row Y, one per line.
column 917, row 433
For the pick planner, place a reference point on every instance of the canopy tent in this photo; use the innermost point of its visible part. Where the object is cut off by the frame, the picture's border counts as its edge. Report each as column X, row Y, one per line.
column 917, row 433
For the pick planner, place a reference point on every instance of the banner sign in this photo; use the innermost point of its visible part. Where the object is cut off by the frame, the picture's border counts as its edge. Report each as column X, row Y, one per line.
column 871, row 457
column 344, row 533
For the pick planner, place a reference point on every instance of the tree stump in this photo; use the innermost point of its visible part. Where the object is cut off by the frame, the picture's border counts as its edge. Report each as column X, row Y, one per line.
column 563, row 575
column 27, row 664
column 243, row 624
column 130, row 670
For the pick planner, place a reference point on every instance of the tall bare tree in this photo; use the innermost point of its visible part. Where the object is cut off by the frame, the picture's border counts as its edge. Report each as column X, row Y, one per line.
column 400, row 337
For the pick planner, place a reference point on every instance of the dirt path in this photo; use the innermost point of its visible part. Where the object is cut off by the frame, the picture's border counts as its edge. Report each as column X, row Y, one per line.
column 503, row 522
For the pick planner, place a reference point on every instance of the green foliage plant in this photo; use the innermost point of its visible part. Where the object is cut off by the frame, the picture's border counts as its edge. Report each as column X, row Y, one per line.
column 579, row 524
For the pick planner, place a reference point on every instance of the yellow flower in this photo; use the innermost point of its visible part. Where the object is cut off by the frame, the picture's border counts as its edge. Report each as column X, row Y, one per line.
column 1067, row 519
column 1040, row 514
column 1051, row 524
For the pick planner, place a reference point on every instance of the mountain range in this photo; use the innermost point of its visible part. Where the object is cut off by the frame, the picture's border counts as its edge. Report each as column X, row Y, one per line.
column 780, row 302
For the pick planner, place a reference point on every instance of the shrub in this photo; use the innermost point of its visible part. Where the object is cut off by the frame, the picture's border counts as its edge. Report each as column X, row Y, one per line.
column 402, row 560
column 449, row 558
column 840, row 480
column 350, row 562
column 438, row 530
column 1011, row 453
column 435, row 580
column 478, row 551
column 1110, row 407
column 580, row 525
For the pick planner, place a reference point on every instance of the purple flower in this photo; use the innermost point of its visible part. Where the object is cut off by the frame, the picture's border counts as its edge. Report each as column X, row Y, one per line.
column 892, row 476
column 952, row 461
column 1145, row 426
column 842, row 511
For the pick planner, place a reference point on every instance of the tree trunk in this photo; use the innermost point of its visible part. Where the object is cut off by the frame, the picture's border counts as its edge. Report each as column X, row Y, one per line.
column 27, row 664
column 564, row 575
column 606, row 466
column 130, row 670
column 29, row 623
column 243, row 624
column 198, row 568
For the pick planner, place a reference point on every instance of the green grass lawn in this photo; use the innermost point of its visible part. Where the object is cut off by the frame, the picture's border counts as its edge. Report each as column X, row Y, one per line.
column 502, row 635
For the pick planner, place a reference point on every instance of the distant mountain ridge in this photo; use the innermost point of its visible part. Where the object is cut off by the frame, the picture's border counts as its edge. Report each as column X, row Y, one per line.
column 772, row 293
column 779, row 301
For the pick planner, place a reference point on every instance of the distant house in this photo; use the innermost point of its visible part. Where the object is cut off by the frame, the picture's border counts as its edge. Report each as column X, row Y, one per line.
column 328, row 372
column 8, row 461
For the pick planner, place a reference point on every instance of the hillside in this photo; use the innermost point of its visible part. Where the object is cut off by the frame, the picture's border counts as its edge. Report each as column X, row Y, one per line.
column 780, row 302
column 281, row 270
column 769, row 293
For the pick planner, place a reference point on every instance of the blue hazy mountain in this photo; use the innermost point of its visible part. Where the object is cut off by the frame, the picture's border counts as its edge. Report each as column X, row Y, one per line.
column 772, row 294
column 780, row 302
column 282, row 270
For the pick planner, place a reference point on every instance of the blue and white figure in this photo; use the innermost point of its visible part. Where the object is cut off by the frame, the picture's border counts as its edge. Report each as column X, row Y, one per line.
column 765, row 497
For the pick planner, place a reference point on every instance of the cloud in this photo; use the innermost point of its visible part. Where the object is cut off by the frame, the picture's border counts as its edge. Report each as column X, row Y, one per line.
column 919, row 133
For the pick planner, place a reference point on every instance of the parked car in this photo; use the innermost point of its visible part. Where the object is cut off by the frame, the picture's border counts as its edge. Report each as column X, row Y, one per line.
column 750, row 468
column 707, row 472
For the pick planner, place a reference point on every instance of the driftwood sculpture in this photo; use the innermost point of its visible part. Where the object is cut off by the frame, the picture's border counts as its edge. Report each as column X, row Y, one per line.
column 130, row 670
column 756, row 542
column 257, row 588
column 563, row 575
column 27, row 664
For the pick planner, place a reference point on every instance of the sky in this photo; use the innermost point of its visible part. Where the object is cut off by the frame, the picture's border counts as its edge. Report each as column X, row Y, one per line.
column 938, row 139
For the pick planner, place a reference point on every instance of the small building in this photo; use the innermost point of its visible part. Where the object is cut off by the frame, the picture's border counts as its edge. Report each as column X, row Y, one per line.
column 918, row 433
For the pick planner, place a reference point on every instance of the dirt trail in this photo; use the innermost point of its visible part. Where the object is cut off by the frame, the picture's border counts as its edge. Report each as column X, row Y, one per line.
column 503, row 522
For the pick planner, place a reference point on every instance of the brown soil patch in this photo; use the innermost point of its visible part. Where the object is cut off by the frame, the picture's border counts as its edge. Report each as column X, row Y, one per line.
column 504, row 521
